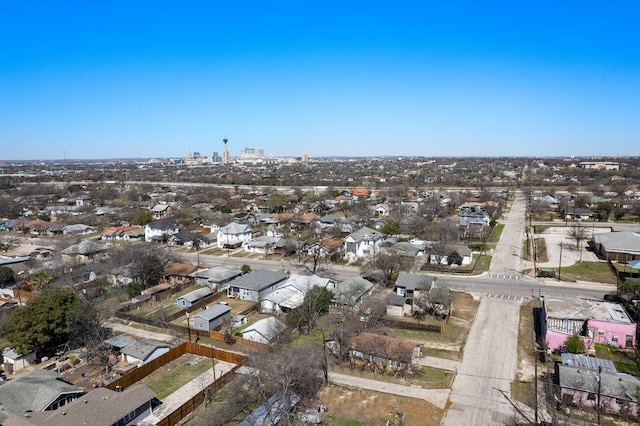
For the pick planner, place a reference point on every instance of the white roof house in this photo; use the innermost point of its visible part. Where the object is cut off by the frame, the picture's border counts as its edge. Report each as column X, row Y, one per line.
column 264, row 331
column 291, row 293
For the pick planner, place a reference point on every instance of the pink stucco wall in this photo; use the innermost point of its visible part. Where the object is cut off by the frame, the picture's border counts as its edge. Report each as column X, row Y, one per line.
column 555, row 340
column 612, row 330
column 607, row 404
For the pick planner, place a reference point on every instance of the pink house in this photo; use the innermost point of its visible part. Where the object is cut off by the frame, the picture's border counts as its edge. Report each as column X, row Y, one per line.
column 594, row 321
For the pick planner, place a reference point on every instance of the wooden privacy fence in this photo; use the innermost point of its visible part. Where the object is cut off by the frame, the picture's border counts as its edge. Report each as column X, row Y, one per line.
column 206, row 351
column 188, row 407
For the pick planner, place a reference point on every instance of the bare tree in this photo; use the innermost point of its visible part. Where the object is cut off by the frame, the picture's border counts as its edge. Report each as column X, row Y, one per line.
column 436, row 301
column 578, row 232
column 390, row 264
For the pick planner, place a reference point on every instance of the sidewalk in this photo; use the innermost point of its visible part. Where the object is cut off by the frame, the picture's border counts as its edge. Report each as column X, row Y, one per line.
column 437, row 397
column 441, row 363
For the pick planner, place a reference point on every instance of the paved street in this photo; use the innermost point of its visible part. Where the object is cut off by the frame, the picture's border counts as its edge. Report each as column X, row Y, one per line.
column 489, row 364
column 491, row 353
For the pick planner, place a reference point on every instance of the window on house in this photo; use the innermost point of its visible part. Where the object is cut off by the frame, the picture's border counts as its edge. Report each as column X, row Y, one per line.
column 629, row 341
column 591, row 396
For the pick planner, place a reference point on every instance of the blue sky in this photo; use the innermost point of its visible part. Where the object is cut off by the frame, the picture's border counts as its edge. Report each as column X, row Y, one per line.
column 84, row 79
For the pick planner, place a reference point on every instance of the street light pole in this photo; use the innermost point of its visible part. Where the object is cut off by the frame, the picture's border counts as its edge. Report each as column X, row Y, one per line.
column 560, row 262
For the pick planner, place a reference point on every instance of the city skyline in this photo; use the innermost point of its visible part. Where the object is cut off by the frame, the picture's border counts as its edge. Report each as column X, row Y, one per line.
column 161, row 79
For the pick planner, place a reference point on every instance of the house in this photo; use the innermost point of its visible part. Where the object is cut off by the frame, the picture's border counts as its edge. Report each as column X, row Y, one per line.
column 216, row 278
column 160, row 230
column 141, row 352
column 577, row 213
column 473, row 215
column 264, row 331
column 190, row 239
column 594, row 321
column 383, row 354
column 118, row 233
column 382, row 210
column 456, row 255
column 178, row 272
column 362, row 243
column 189, row 299
column 234, row 235
column 290, row 294
column 78, row 229
column 161, row 211
column 618, row 246
column 351, row 292
column 13, row 361
column 85, row 251
column 123, row 275
column 256, row 284
column 211, row 318
column 585, row 386
column 35, row 392
column 101, row 406
column 262, row 245
column 407, row 288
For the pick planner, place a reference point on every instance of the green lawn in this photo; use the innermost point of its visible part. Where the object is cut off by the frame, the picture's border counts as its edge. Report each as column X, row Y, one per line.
column 170, row 377
column 483, row 263
column 588, row 271
column 496, row 233
column 623, row 360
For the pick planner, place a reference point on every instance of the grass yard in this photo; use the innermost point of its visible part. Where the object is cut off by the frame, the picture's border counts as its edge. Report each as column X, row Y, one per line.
column 588, row 271
column 496, row 233
column 170, row 377
column 623, row 360
column 482, row 264
column 450, row 343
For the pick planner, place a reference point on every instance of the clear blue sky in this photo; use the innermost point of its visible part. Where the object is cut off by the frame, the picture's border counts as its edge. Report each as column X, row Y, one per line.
column 106, row 79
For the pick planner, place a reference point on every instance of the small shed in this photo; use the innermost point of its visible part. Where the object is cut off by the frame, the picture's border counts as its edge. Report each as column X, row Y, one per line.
column 264, row 331
column 238, row 320
column 14, row 361
column 212, row 318
column 189, row 299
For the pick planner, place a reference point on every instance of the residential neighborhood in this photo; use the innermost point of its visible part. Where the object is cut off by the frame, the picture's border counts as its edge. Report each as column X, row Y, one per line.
column 345, row 286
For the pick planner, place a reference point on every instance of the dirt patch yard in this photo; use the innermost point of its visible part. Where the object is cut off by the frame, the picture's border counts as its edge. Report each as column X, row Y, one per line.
column 356, row 407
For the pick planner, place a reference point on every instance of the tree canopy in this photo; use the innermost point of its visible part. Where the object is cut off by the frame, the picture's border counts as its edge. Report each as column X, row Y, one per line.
column 45, row 322
column 6, row 275
column 574, row 344
column 316, row 303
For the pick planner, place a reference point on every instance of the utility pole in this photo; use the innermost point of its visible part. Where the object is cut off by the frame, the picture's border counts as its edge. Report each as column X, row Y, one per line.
column 560, row 262
column 535, row 385
column 599, row 392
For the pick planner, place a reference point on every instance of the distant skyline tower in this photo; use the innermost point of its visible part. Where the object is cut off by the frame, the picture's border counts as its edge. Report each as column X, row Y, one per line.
column 225, row 155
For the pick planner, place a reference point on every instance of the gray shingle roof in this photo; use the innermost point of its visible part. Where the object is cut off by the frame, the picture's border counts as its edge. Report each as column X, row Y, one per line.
column 351, row 290
column 364, row 234
column 415, row 281
column 196, row 295
column 213, row 312
column 101, row 406
column 628, row 242
column 33, row 391
column 141, row 349
column 84, row 247
column 617, row 385
column 259, row 279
